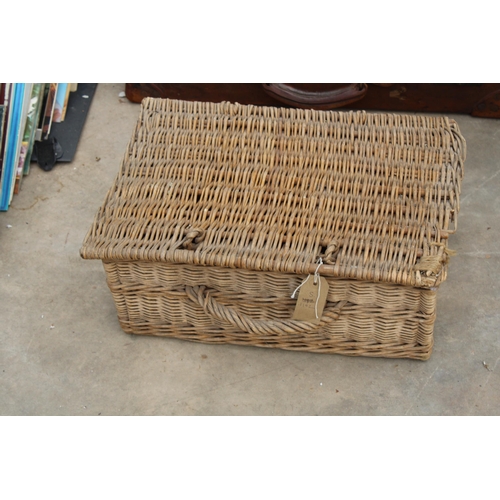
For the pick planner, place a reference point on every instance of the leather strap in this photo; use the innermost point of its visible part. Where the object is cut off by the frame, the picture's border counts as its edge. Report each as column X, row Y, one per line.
column 328, row 99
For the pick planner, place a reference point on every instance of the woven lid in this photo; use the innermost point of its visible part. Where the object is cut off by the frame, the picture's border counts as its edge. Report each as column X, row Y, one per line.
column 375, row 196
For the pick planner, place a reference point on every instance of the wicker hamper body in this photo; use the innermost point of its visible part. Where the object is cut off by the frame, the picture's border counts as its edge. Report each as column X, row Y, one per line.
column 221, row 211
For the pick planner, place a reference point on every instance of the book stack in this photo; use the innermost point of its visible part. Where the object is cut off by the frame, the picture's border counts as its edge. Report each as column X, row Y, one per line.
column 27, row 111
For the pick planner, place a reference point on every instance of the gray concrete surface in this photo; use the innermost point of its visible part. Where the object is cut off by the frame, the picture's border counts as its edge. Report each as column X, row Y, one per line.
column 62, row 351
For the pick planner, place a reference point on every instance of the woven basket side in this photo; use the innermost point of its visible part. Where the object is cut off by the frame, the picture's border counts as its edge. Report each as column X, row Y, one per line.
column 377, row 320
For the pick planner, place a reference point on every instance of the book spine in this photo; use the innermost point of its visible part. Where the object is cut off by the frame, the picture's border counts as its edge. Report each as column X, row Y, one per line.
column 25, row 102
column 49, row 110
column 59, row 102
column 2, row 120
column 32, row 102
column 39, row 126
column 39, row 108
column 66, row 100
column 7, row 93
column 11, row 144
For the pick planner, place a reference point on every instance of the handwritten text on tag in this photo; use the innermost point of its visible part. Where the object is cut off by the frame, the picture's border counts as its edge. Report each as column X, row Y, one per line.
column 311, row 300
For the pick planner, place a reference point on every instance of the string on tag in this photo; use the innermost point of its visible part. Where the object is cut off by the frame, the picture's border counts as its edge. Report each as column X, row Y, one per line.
column 299, row 287
column 316, row 274
column 318, row 281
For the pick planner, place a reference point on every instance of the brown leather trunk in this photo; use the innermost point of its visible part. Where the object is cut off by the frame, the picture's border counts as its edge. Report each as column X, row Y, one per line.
column 476, row 99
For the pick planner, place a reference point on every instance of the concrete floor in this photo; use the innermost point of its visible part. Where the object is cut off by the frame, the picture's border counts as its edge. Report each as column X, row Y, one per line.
column 62, row 351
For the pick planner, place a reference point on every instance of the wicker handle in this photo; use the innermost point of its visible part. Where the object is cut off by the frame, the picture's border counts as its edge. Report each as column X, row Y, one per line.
column 329, row 99
column 199, row 295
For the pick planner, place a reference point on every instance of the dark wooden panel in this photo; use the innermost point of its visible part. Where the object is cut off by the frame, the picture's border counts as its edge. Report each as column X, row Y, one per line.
column 478, row 99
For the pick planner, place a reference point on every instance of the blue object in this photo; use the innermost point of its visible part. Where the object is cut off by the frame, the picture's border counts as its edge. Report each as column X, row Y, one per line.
column 13, row 137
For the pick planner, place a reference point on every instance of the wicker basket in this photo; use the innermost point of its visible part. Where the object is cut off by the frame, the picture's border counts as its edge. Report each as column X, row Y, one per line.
column 220, row 212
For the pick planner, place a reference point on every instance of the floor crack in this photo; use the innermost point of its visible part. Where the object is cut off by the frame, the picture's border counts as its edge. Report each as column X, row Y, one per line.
column 421, row 390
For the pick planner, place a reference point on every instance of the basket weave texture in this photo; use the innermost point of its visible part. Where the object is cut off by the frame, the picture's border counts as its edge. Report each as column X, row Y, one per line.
column 219, row 211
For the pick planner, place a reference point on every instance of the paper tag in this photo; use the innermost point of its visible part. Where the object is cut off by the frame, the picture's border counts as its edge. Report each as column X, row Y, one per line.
column 311, row 300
